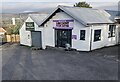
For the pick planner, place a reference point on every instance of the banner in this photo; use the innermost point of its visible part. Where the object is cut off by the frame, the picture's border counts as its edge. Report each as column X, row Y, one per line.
column 63, row 24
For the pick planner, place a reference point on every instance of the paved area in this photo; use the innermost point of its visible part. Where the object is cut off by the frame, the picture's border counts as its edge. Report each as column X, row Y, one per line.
column 22, row 63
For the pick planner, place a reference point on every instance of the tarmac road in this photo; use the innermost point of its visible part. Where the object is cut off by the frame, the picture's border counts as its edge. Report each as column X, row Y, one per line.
column 22, row 63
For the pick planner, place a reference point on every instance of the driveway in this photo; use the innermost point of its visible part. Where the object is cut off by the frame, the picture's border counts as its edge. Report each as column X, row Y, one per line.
column 22, row 63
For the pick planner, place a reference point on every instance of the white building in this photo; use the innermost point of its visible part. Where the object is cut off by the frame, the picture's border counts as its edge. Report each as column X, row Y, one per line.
column 84, row 29
column 2, row 35
column 116, row 15
column 2, row 31
column 30, row 33
column 13, row 21
column 118, row 25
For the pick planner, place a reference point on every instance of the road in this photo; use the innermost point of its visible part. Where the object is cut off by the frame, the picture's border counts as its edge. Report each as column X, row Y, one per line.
column 22, row 63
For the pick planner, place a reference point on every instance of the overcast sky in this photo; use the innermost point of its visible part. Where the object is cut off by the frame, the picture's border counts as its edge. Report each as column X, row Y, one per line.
column 18, row 6
column 59, row 0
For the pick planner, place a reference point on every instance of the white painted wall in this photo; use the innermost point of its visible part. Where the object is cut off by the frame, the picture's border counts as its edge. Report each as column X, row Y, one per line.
column 24, row 39
column 105, row 41
column 48, row 34
column 49, row 31
column 113, row 40
column 82, row 45
column 118, row 33
column 43, row 35
column 77, row 44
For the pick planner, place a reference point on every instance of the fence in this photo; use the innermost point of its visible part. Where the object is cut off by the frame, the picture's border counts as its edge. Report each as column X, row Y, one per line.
column 13, row 38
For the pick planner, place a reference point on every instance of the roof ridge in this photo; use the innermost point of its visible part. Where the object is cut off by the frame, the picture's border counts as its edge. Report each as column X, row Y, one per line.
column 38, row 14
column 85, row 21
column 2, row 29
column 79, row 7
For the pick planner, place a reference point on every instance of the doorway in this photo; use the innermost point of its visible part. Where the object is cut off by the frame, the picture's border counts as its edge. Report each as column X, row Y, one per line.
column 62, row 36
column 36, row 39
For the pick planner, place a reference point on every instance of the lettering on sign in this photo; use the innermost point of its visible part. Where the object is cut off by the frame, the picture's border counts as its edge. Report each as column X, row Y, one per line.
column 63, row 24
column 30, row 24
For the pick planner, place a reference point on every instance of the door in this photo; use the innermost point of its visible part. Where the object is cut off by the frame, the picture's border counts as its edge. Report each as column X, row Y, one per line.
column 36, row 39
column 119, row 37
column 62, row 37
column 118, row 33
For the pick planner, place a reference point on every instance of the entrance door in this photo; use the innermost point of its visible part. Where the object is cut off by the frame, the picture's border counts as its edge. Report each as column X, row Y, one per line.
column 36, row 39
column 119, row 37
column 118, row 33
column 62, row 37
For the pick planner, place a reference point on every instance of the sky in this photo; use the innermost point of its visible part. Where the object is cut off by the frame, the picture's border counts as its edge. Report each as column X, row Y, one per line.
column 19, row 6
column 59, row 0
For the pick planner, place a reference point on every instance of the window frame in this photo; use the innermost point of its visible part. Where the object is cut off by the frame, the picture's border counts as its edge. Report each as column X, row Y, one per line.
column 99, row 39
column 81, row 38
column 112, row 31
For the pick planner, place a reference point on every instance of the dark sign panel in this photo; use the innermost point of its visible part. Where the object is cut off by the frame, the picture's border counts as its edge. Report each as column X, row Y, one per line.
column 30, row 25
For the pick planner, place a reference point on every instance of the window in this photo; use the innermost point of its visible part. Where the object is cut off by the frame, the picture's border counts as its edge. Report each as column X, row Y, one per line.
column 111, row 31
column 97, row 35
column 82, row 34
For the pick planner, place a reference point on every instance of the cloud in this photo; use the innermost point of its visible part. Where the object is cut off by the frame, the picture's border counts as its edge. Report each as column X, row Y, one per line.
column 18, row 7
column 29, row 6
column 101, row 4
column 59, row 0
column 42, row 0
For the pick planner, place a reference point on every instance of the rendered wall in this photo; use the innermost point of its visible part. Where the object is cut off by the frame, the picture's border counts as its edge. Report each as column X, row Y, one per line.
column 25, row 35
column 105, row 41
column 76, row 43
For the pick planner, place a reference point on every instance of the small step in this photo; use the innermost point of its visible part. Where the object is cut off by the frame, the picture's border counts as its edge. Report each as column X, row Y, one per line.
column 36, row 48
column 60, row 48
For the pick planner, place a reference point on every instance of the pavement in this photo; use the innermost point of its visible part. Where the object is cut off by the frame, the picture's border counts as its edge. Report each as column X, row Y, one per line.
column 23, row 63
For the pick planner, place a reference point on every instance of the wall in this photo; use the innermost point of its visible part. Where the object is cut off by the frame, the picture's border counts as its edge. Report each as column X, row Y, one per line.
column 118, row 33
column 77, row 44
column 48, row 35
column 105, row 41
column 43, row 35
column 25, row 36
column 12, row 38
column 82, row 45
column 24, row 40
column 113, row 40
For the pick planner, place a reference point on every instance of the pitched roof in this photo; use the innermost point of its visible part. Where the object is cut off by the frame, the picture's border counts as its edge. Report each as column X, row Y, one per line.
column 85, row 16
column 38, row 18
column 2, row 30
column 114, row 14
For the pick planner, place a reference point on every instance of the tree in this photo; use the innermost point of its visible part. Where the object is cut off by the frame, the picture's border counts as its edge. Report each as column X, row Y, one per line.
column 13, row 29
column 16, row 28
column 82, row 4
